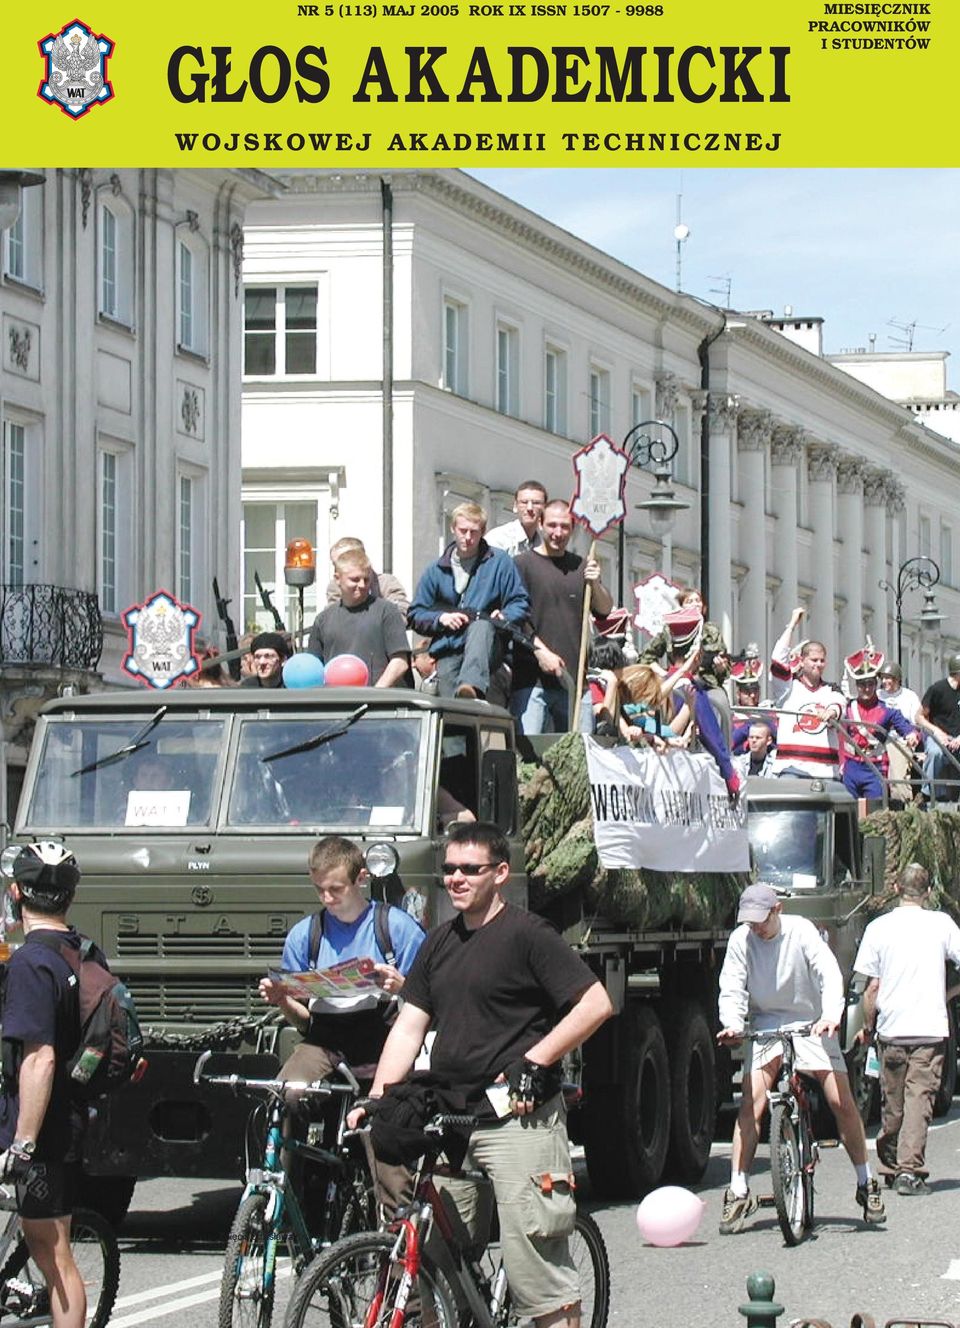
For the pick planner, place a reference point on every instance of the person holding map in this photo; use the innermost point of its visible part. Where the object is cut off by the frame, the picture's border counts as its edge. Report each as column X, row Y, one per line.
column 350, row 1027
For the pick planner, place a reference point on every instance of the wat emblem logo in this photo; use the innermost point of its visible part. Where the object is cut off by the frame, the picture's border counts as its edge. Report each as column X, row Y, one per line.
column 75, row 73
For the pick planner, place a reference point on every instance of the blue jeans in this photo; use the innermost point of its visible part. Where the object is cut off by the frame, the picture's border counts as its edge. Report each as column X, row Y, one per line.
column 473, row 665
column 541, row 709
column 936, row 765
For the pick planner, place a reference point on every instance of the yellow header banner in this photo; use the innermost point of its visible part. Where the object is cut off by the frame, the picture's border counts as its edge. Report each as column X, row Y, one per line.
column 405, row 83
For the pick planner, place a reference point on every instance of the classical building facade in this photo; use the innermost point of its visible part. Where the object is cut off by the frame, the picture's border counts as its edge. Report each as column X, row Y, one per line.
column 417, row 340
column 120, row 317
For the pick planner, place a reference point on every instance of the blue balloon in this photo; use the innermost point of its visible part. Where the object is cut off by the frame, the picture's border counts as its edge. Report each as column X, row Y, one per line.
column 303, row 670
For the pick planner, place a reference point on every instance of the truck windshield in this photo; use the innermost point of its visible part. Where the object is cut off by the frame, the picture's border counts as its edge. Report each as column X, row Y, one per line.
column 788, row 846
column 365, row 776
column 168, row 780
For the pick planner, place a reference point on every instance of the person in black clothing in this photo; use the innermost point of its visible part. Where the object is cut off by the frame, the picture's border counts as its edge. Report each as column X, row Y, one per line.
column 41, row 1124
column 939, row 719
column 268, row 650
column 507, row 998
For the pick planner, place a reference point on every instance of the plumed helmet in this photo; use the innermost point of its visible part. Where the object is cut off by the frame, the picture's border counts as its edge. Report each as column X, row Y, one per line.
column 47, row 870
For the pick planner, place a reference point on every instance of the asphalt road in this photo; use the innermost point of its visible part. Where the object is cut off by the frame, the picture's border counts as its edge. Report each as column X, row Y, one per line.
column 172, row 1249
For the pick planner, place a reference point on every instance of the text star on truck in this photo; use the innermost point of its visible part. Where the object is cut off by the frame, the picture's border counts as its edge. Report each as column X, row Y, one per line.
column 192, row 814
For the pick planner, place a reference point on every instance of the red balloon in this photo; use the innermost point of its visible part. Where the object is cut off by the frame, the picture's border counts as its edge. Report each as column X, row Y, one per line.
column 346, row 671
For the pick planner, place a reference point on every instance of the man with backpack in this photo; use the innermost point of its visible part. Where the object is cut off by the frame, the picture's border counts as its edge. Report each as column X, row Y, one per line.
column 349, row 926
column 41, row 1114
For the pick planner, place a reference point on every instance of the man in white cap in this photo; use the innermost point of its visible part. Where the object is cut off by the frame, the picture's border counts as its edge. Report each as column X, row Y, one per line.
column 778, row 970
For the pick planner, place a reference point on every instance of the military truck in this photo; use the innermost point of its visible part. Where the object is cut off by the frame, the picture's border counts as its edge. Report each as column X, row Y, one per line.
column 192, row 814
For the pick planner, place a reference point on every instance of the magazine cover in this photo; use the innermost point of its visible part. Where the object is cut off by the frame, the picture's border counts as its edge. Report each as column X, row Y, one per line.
column 276, row 276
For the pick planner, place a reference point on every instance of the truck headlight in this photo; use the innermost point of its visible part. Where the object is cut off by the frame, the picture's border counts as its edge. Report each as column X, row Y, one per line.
column 382, row 860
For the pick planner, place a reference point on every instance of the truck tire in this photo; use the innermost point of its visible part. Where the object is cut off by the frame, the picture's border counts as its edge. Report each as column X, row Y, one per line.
column 627, row 1125
column 948, row 1082
column 692, row 1092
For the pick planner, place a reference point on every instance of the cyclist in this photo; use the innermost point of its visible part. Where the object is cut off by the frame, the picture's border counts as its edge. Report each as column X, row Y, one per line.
column 41, row 1124
column 507, row 998
column 777, row 971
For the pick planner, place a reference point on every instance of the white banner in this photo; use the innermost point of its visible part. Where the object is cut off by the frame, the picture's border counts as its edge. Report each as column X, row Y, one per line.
column 668, row 813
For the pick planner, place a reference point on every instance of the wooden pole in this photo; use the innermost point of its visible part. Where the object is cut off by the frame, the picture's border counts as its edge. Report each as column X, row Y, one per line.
column 574, row 720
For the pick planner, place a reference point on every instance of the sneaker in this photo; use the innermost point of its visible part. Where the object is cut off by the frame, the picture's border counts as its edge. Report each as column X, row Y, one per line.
column 736, row 1209
column 871, row 1201
column 908, row 1182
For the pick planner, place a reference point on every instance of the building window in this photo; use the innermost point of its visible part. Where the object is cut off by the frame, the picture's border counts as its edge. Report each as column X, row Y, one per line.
column 108, row 532
column 115, row 262
column 599, row 401
column 268, row 526
column 946, row 555
column 555, row 390
column 455, row 347
column 925, row 536
column 185, row 537
column 23, row 242
column 280, row 330
column 115, row 516
column 108, row 264
column 187, row 296
column 508, row 370
column 684, row 470
column 641, row 406
column 15, row 495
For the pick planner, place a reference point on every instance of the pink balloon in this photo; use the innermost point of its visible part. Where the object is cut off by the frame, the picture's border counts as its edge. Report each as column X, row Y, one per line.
column 347, row 671
column 669, row 1216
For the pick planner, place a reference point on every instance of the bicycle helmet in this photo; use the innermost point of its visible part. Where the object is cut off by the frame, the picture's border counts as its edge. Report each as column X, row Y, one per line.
column 46, row 871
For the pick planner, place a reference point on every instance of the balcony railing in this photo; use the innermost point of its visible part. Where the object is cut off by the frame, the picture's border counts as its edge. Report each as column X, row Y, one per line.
column 50, row 625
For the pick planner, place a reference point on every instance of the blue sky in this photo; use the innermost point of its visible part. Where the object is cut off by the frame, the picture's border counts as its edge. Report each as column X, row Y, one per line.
column 856, row 247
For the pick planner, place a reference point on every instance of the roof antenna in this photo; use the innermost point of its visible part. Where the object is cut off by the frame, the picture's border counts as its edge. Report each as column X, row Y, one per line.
column 681, row 234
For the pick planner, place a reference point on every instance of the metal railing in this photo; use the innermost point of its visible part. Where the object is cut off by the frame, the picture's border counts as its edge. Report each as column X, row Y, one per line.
column 50, row 625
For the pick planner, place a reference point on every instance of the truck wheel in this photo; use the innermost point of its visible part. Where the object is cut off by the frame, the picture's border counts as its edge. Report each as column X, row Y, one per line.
column 948, row 1082
column 109, row 1196
column 692, row 1092
column 626, row 1126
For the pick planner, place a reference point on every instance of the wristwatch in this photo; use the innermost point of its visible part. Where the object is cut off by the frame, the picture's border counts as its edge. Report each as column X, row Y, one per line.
column 25, row 1147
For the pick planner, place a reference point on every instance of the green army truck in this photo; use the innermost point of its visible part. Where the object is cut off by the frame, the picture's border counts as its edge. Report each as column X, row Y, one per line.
column 192, row 814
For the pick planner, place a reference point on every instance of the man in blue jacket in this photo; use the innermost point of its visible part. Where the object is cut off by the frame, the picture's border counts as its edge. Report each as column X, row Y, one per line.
column 457, row 601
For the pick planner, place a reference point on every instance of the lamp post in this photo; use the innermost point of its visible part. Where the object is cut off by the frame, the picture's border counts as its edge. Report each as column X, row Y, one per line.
column 919, row 571
column 641, row 450
column 299, row 570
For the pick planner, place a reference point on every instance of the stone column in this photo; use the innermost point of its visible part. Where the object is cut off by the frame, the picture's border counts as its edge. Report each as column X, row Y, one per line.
column 850, row 526
column 822, row 460
column 667, row 395
column 723, row 414
column 910, row 662
column 786, row 453
column 754, row 428
column 875, row 490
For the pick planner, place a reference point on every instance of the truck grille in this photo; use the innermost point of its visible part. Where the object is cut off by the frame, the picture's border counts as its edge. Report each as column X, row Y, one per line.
column 188, row 999
column 170, row 946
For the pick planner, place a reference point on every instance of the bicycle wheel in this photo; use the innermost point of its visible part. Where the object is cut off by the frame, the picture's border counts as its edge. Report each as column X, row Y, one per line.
column 354, row 1284
column 787, row 1175
column 359, row 1211
column 589, row 1254
column 808, row 1161
column 95, row 1252
column 246, row 1290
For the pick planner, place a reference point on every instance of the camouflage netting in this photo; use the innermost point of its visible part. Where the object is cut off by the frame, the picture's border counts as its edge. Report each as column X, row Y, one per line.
column 930, row 838
column 557, row 827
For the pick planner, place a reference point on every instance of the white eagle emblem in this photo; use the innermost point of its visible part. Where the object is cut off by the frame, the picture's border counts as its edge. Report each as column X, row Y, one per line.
column 161, row 634
column 76, row 69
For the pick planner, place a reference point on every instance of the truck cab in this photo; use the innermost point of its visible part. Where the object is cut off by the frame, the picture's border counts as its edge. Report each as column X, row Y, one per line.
column 192, row 815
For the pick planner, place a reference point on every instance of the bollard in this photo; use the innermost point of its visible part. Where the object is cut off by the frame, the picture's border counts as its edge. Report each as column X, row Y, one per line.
column 761, row 1311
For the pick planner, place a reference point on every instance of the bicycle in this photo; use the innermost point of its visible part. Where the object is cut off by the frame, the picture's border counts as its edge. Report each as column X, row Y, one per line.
column 794, row 1152
column 386, row 1279
column 23, row 1291
column 271, row 1213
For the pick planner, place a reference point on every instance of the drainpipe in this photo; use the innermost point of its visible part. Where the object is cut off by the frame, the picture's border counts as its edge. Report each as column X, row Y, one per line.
column 386, row 203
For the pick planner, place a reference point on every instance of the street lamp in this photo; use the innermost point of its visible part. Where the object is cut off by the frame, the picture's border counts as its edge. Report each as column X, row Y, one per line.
column 919, row 571
column 662, row 506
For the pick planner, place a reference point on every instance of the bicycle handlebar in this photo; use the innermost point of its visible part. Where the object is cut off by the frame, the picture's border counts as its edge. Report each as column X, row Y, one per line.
column 787, row 1030
column 275, row 1087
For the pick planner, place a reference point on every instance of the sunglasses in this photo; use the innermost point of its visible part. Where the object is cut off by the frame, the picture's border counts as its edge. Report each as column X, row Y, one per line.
column 466, row 868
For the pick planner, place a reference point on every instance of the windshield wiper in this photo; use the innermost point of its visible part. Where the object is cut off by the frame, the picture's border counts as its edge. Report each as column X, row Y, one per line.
column 334, row 731
column 138, row 740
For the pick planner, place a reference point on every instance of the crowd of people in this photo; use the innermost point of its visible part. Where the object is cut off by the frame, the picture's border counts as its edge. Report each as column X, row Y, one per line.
column 500, row 616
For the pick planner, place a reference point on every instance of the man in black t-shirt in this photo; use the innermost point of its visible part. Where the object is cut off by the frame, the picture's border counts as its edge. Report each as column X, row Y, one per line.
column 939, row 719
column 507, row 998
column 556, row 580
column 41, row 1124
column 363, row 624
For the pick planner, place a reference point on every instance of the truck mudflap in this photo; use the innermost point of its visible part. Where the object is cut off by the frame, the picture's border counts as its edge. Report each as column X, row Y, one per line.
column 169, row 1126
